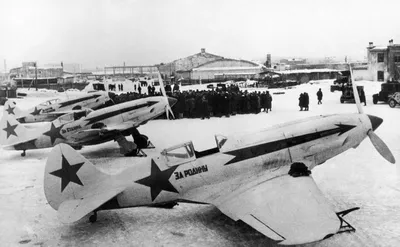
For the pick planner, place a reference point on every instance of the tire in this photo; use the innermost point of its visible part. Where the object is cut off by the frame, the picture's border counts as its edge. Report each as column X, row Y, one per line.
column 392, row 103
column 141, row 141
column 341, row 101
column 375, row 101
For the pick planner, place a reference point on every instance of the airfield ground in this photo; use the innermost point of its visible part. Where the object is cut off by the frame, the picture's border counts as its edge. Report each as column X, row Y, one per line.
column 358, row 177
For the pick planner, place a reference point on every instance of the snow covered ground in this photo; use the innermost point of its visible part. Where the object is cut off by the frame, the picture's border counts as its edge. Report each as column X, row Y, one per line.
column 358, row 177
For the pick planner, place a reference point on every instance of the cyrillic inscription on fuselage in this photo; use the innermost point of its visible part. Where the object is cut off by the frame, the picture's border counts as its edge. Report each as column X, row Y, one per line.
column 71, row 129
column 190, row 172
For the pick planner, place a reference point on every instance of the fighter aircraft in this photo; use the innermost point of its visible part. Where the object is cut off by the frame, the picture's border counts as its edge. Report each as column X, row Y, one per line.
column 88, row 127
column 263, row 179
column 51, row 109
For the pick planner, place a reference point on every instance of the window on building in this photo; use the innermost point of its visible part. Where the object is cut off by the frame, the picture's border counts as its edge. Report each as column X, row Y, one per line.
column 381, row 57
column 380, row 76
column 397, row 58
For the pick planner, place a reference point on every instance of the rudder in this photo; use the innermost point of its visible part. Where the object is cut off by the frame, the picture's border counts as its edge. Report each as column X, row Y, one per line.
column 70, row 176
column 12, row 131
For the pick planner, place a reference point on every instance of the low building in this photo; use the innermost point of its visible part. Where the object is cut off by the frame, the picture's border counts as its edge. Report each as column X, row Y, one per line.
column 384, row 61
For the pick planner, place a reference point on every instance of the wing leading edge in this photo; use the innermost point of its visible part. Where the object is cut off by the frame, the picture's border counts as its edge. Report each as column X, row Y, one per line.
column 286, row 209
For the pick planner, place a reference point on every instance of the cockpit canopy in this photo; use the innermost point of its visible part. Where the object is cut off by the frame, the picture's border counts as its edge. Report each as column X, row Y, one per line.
column 50, row 102
column 179, row 154
column 75, row 115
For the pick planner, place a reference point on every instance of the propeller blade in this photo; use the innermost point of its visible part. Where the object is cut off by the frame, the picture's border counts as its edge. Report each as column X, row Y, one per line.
column 355, row 91
column 168, row 109
column 381, row 147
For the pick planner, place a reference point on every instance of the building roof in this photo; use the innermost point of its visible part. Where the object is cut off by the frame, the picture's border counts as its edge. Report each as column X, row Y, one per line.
column 229, row 59
column 301, row 71
column 378, row 48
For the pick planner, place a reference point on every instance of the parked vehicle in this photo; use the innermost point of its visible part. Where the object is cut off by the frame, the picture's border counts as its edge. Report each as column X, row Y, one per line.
column 348, row 95
column 386, row 90
column 394, row 99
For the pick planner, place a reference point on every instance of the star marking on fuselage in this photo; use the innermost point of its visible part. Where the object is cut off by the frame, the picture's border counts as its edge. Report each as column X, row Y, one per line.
column 10, row 129
column 68, row 173
column 158, row 180
column 36, row 111
column 10, row 110
column 54, row 133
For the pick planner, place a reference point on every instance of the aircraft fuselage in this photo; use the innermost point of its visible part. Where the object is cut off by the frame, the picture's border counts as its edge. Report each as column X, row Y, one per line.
column 240, row 163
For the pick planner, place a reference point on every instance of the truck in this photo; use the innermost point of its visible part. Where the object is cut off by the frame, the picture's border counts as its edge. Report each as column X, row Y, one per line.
column 387, row 89
column 348, row 95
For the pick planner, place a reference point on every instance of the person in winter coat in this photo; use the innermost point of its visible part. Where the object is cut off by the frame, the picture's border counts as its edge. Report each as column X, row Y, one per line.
column 269, row 102
column 362, row 97
column 301, row 101
column 306, row 101
column 319, row 96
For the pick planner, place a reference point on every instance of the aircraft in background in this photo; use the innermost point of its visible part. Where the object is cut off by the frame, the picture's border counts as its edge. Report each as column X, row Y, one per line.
column 89, row 127
column 263, row 179
column 54, row 108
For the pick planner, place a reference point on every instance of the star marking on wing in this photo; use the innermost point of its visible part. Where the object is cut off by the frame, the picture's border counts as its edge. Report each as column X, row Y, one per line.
column 10, row 110
column 54, row 133
column 68, row 173
column 10, row 129
column 158, row 180
column 36, row 111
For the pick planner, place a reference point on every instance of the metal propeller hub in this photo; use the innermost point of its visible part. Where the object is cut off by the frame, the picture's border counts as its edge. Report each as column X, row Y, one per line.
column 375, row 121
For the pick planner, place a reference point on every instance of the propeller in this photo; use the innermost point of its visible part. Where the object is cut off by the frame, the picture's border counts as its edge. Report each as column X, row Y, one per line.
column 169, row 101
column 379, row 145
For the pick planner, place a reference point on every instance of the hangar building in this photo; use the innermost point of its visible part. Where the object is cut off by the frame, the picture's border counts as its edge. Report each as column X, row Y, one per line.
column 207, row 67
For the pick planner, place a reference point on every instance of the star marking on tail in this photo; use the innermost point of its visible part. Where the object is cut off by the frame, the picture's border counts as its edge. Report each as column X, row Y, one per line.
column 54, row 133
column 10, row 129
column 10, row 110
column 68, row 173
column 158, row 180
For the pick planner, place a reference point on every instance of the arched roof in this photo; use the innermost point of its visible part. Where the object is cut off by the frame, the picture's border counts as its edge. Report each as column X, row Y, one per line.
column 229, row 60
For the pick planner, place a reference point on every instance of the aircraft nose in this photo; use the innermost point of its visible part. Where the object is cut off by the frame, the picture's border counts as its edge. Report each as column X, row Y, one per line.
column 375, row 121
column 172, row 101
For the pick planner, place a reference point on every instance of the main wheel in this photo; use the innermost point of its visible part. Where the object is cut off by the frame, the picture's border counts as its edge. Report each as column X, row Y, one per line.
column 392, row 103
column 23, row 153
column 341, row 101
column 375, row 101
column 141, row 141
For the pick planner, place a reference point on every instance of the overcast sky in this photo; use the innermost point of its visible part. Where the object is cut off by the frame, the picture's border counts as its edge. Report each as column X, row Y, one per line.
column 145, row 32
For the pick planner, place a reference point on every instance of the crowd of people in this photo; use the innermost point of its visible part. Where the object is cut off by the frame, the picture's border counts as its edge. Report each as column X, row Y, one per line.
column 204, row 104
column 214, row 103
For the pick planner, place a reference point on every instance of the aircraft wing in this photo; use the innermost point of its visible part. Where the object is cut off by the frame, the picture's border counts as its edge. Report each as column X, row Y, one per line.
column 289, row 210
column 73, row 210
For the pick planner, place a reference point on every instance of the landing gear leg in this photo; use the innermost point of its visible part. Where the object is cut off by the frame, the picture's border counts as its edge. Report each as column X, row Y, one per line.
column 23, row 153
column 93, row 217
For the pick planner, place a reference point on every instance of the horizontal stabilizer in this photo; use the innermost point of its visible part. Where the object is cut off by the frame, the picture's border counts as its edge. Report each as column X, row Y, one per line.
column 74, row 210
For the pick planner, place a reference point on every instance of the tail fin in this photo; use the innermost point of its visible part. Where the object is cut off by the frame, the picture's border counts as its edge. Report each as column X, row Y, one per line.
column 74, row 186
column 10, row 108
column 11, row 131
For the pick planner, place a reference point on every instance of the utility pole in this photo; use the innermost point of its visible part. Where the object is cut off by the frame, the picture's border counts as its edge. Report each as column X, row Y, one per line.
column 36, row 76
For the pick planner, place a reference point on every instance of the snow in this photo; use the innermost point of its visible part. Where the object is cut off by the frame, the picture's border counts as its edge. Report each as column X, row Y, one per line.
column 358, row 177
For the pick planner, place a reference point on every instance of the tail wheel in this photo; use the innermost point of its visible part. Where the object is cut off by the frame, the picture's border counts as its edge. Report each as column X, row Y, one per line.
column 392, row 103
